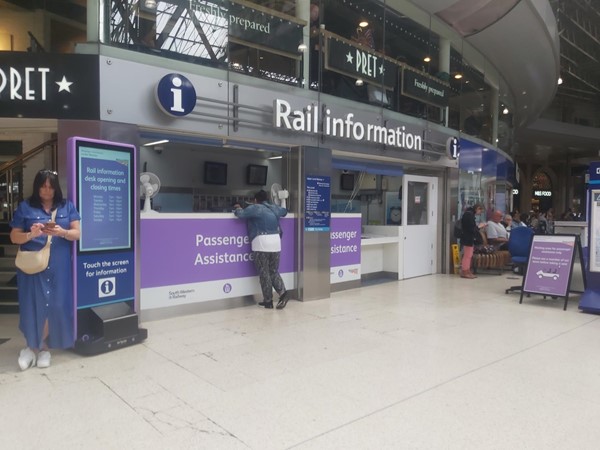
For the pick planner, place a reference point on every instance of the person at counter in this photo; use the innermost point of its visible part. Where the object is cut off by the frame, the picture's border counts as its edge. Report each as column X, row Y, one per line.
column 264, row 232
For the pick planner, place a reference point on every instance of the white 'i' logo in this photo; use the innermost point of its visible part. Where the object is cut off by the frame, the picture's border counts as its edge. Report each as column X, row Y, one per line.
column 177, row 98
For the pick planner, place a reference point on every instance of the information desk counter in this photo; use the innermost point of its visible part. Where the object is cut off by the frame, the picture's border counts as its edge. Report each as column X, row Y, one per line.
column 193, row 258
column 381, row 248
column 572, row 227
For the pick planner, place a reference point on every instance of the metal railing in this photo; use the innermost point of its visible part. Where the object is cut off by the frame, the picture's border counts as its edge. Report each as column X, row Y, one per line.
column 12, row 174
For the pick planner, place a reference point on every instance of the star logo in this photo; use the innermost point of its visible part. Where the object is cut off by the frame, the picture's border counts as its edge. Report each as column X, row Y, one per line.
column 381, row 69
column 64, row 85
column 349, row 58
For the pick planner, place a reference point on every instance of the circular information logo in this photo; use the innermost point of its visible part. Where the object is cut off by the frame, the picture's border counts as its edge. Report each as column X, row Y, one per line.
column 175, row 95
column 227, row 288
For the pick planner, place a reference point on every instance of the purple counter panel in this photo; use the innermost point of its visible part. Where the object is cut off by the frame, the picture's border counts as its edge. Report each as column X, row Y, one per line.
column 345, row 248
column 196, row 259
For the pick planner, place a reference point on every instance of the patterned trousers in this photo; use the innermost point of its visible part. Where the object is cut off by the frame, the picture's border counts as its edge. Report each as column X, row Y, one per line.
column 267, row 266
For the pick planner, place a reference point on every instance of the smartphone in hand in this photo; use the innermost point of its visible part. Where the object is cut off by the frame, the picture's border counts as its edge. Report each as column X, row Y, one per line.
column 49, row 225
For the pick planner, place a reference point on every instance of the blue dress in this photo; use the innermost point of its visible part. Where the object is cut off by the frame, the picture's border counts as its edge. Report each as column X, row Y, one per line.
column 47, row 295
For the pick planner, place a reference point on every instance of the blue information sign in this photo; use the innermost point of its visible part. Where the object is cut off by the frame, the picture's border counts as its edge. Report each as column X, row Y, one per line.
column 317, row 208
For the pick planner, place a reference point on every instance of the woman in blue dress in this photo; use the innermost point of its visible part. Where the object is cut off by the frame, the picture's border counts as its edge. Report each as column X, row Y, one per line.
column 46, row 298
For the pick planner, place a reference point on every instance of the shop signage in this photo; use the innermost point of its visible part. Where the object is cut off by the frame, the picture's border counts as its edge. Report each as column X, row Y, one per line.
column 308, row 120
column 44, row 85
column 252, row 26
column 542, row 193
column 357, row 62
column 424, row 88
column 260, row 28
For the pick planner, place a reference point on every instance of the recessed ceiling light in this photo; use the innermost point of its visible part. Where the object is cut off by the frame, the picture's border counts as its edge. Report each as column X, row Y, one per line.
column 458, row 76
column 302, row 47
column 359, row 82
column 427, row 59
column 363, row 24
column 505, row 111
column 559, row 80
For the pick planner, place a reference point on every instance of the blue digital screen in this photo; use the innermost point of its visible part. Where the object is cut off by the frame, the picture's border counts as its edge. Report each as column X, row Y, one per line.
column 104, row 197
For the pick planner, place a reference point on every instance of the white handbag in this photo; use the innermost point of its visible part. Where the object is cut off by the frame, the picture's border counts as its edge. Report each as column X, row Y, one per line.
column 32, row 262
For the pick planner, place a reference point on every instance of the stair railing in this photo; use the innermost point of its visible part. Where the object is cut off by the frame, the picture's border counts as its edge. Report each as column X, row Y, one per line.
column 11, row 175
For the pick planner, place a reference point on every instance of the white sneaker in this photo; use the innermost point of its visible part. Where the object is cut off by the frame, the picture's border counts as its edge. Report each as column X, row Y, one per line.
column 26, row 358
column 43, row 359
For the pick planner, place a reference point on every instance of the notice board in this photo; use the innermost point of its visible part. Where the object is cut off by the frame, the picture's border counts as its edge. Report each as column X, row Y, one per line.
column 550, row 265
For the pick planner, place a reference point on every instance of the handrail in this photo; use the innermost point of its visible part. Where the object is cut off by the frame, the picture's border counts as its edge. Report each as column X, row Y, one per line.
column 12, row 184
column 30, row 154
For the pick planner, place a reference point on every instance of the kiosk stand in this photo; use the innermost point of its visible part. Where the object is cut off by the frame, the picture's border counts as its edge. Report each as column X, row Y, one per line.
column 103, row 187
column 590, row 300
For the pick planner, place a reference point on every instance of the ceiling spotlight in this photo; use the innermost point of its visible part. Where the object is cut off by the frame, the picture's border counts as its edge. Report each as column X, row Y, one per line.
column 358, row 82
column 505, row 111
column 150, row 4
column 363, row 24
column 559, row 80
column 302, row 47
column 427, row 59
column 458, row 76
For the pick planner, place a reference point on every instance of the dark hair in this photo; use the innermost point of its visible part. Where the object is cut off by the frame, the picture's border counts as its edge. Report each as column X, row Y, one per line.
column 260, row 196
column 39, row 181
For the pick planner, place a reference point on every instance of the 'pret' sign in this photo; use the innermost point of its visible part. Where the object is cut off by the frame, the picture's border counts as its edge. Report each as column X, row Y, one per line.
column 42, row 85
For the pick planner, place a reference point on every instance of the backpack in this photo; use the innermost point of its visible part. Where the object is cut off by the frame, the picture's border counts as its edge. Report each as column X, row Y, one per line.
column 458, row 233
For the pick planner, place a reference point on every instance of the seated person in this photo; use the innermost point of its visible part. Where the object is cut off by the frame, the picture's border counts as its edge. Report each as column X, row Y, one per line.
column 507, row 222
column 496, row 233
column 519, row 220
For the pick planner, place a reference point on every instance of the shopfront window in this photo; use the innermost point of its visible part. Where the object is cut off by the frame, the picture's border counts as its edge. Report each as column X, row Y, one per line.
column 469, row 190
column 258, row 39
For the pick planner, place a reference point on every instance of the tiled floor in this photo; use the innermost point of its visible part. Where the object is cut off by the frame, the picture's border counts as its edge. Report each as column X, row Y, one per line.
column 430, row 363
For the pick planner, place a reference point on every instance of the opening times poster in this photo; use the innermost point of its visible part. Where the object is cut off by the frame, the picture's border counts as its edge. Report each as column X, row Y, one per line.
column 317, row 209
column 104, row 199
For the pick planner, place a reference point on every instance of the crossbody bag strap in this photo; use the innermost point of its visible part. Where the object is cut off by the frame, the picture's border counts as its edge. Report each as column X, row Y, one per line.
column 53, row 220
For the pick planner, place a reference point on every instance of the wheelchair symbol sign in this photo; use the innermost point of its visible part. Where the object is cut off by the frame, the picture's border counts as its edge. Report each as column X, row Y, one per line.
column 107, row 287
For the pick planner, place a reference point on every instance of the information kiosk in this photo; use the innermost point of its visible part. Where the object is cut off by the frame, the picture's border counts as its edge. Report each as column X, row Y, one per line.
column 590, row 300
column 103, row 187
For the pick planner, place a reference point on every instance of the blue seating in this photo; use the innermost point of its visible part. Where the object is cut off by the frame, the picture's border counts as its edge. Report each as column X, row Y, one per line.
column 519, row 244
